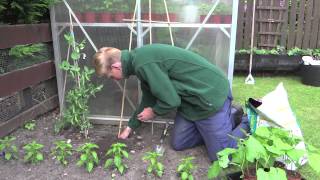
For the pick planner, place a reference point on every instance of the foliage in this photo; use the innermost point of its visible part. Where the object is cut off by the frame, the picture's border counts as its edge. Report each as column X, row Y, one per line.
column 297, row 51
column 62, row 151
column 221, row 8
column 26, row 11
column 8, row 149
column 260, row 150
column 30, row 125
column 77, row 98
column 118, row 152
column 89, row 156
column 154, row 165
column 185, row 168
column 23, row 51
column 316, row 53
column 33, row 152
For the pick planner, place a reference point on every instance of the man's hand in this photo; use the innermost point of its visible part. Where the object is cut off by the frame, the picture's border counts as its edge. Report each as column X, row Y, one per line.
column 125, row 133
column 146, row 114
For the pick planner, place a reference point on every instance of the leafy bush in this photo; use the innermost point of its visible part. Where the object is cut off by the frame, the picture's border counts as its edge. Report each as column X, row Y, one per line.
column 89, row 156
column 62, row 151
column 25, row 11
column 185, row 168
column 8, row 149
column 33, row 152
column 154, row 164
column 23, row 51
column 118, row 153
column 299, row 52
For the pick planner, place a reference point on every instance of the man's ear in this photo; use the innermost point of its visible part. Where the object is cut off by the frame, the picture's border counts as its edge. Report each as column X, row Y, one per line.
column 116, row 65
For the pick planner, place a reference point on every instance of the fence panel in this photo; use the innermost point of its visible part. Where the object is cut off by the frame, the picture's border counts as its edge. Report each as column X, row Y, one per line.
column 315, row 24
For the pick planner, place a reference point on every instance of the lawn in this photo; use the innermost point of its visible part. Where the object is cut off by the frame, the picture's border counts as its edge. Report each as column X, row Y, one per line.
column 304, row 101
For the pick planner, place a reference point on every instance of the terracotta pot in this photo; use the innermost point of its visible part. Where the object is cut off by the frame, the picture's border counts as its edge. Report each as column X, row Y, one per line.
column 89, row 17
column 216, row 19
column 227, row 19
column 118, row 17
column 105, row 17
column 79, row 16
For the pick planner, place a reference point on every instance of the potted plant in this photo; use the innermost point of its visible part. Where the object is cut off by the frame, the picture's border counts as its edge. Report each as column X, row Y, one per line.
column 221, row 14
column 258, row 155
column 310, row 69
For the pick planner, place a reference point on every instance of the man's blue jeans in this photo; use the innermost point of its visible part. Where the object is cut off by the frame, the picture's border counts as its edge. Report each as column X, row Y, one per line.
column 213, row 132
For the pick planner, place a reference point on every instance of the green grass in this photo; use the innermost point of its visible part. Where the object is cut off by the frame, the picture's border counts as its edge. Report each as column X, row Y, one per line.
column 304, row 101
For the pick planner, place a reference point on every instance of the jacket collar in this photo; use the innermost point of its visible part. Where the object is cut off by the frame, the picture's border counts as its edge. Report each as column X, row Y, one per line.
column 127, row 63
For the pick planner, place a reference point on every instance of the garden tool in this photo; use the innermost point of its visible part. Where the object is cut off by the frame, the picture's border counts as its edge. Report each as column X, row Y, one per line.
column 159, row 147
column 249, row 79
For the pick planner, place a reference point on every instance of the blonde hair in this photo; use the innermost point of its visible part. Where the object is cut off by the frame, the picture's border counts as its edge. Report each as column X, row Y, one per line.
column 104, row 58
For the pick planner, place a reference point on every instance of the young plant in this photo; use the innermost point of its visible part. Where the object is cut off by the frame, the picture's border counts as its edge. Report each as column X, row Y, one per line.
column 154, row 166
column 30, row 125
column 89, row 156
column 260, row 151
column 7, row 149
column 22, row 51
column 185, row 168
column 62, row 151
column 77, row 98
column 118, row 152
column 33, row 152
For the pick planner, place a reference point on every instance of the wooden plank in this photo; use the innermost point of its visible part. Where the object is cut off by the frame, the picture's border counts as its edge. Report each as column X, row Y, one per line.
column 270, row 33
column 270, row 20
column 19, row 120
column 22, row 78
column 248, row 25
column 12, row 35
column 307, row 31
column 292, row 25
column 315, row 24
column 271, row 7
column 284, row 25
column 277, row 27
column 240, row 25
column 299, row 34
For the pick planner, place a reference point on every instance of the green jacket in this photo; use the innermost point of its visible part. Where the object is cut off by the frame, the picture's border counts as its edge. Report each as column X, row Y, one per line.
column 171, row 78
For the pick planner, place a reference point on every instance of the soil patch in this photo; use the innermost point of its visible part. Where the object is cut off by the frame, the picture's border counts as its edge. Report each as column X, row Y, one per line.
column 104, row 135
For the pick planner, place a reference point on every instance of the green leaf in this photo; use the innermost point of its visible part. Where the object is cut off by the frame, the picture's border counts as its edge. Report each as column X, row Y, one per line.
column 274, row 173
column 121, row 169
column 159, row 173
column 83, row 157
column 263, row 132
column 80, row 163
column 108, row 163
column 314, row 159
column 226, row 152
column 296, row 154
column 39, row 157
column 180, row 167
column 255, row 150
column 160, row 166
column 224, row 161
column 117, row 161
column 125, row 154
column 190, row 177
column 214, row 170
column 75, row 55
column 95, row 157
column 184, row 175
column 8, row 156
column 89, row 166
column 149, row 169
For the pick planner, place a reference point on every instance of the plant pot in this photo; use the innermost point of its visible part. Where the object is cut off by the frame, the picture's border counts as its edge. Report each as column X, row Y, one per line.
column 89, row 17
column 215, row 19
column 226, row 19
column 79, row 16
column 118, row 17
column 105, row 17
column 310, row 75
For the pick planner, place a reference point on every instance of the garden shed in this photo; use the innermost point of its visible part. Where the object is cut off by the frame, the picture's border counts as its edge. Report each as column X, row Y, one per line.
column 205, row 27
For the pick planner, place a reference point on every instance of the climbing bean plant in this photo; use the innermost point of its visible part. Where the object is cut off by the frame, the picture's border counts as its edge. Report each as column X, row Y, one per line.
column 76, row 113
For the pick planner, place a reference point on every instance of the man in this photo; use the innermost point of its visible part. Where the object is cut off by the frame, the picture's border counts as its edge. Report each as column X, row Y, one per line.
column 174, row 78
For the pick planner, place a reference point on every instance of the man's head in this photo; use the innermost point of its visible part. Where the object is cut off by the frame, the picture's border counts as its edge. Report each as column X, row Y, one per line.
column 107, row 62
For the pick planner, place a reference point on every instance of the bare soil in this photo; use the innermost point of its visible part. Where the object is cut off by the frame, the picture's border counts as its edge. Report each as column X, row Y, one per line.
column 103, row 135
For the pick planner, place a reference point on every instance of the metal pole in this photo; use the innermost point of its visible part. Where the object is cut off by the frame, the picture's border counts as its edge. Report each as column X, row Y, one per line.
column 139, row 25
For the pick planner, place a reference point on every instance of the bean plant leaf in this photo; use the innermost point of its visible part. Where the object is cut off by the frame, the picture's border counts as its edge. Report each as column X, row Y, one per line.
column 184, row 175
column 90, row 166
column 214, row 170
column 255, row 150
column 274, row 173
column 149, row 169
column 121, row 169
column 190, row 177
column 108, row 163
column 8, row 156
column 314, row 159
column 296, row 154
column 117, row 161
column 125, row 154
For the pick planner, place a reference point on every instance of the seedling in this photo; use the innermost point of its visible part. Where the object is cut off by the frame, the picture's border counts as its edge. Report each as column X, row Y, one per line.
column 62, row 151
column 118, row 153
column 30, row 125
column 33, row 152
column 7, row 149
column 154, row 166
column 89, row 156
column 185, row 168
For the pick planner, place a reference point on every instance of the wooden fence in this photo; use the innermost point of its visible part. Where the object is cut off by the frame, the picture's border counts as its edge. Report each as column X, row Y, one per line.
column 288, row 23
